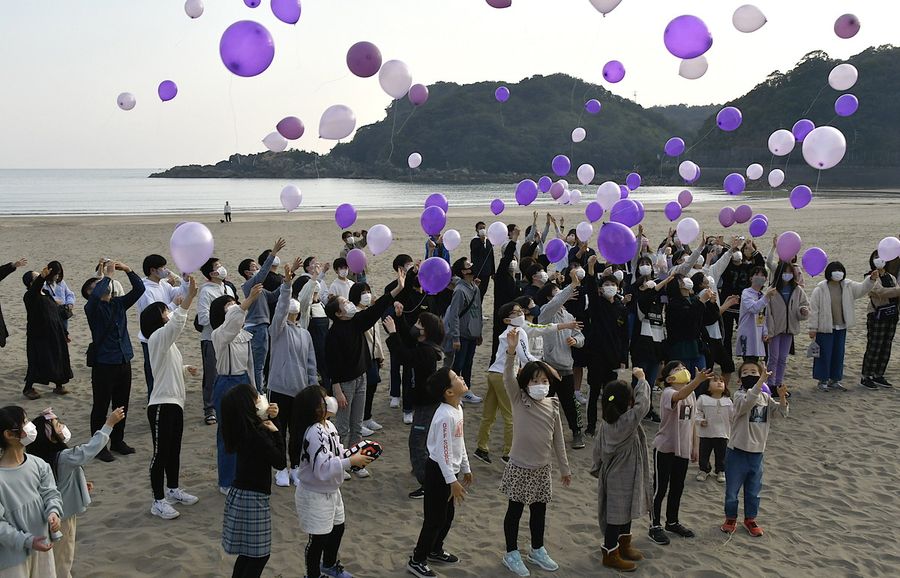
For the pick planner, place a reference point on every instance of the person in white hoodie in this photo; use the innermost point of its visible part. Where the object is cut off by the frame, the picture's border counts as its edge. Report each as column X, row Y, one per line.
column 159, row 285
column 830, row 316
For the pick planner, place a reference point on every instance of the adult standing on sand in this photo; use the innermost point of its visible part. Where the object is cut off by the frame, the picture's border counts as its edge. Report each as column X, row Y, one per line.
column 227, row 211
column 45, row 341
column 5, row 271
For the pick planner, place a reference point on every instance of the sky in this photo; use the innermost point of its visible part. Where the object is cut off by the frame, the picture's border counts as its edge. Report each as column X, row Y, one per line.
column 66, row 62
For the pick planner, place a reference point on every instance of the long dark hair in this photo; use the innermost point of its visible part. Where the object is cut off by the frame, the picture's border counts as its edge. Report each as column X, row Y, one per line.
column 12, row 417
column 780, row 270
column 56, row 271
column 615, row 400
column 217, row 310
column 44, row 446
column 308, row 409
column 152, row 318
column 237, row 416
column 432, row 327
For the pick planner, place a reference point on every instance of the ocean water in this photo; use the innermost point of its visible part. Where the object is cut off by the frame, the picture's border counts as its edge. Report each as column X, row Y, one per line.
column 129, row 191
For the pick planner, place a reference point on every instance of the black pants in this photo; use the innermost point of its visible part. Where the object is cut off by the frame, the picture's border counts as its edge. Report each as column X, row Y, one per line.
column 612, row 533
column 247, row 567
column 669, row 473
column 729, row 322
column 707, row 447
column 536, row 523
column 111, row 385
column 439, row 511
column 418, row 440
column 323, row 548
column 373, row 378
column 598, row 376
column 565, row 391
column 318, row 330
column 483, row 286
column 166, row 427
column 284, row 422
column 148, row 371
column 208, row 357
column 227, row 217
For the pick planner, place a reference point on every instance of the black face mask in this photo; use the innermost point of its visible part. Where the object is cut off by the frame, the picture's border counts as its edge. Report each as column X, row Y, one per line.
column 748, row 381
column 534, row 312
column 415, row 333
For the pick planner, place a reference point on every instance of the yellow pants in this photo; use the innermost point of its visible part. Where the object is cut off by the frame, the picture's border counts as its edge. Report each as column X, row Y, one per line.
column 495, row 399
column 36, row 565
column 64, row 550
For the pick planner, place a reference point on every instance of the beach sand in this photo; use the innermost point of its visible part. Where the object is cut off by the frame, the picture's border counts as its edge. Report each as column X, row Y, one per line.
column 829, row 501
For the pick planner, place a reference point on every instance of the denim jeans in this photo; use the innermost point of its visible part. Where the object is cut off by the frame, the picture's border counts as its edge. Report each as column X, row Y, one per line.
column 462, row 362
column 259, row 345
column 226, row 462
column 742, row 470
column 830, row 363
column 349, row 419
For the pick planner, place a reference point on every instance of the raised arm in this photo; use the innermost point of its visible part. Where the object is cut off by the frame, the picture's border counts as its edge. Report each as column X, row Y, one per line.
column 137, row 288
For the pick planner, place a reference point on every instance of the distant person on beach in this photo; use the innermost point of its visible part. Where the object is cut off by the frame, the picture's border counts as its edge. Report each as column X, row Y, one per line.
column 5, row 271
column 57, row 287
column 354, row 241
column 481, row 251
column 46, row 338
column 881, row 325
column 227, row 212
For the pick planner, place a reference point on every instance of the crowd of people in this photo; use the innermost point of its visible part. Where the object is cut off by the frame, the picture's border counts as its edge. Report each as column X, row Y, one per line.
column 291, row 364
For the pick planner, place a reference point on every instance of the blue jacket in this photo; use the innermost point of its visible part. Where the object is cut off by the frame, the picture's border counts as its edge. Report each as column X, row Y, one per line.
column 116, row 346
column 258, row 314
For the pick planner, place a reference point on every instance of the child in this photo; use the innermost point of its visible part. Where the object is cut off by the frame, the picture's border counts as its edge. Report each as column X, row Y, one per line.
column 248, row 432
column 447, row 459
column 318, row 495
column 752, row 330
column 749, row 431
column 713, row 417
column 30, row 504
column 623, row 468
column 538, row 437
column 66, row 464
column 673, row 446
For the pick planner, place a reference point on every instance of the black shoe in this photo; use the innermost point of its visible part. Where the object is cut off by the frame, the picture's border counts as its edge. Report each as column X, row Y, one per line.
column 443, row 558
column 658, row 535
column 419, row 569
column 121, row 448
column 577, row 441
column 483, row 455
column 882, row 382
column 417, row 494
column 682, row 531
column 868, row 383
column 105, row 456
column 652, row 416
column 505, row 459
column 32, row 394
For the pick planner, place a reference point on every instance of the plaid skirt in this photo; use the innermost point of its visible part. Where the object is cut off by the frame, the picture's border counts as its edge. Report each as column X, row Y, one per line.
column 247, row 527
column 527, row 486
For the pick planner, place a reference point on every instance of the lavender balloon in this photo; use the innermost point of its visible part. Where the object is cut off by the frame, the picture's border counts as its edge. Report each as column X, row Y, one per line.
column 735, row 184
column 617, row 243
column 497, row 206
column 364, row 59
column 246, row 48
column 846, row 105
column 726, row 217
column 357, row 260
column 696, row 176
column 788, row 245
column 758, row 226
column 685, row 198
column 814, row 261
column 191, row 245
column 626, row 212
column 418, row 94
column 167, row 90
column 434, row 275
column 290, row 127
column 499, row 3
column 847, row 26
column 729, row 119
column 633, row 181
column 593, row 212
column 674, row 146
column 557, row 189
column 545, row 183
column 437, row 200
column 802, row 128
column 592, row 106
column 561, row 165
column 687, row 37
column 555, row 250
column 501, row 94
column 801, row 196
column 673, row 211
column 288, row 11
column 526, row 192
column 345, row 215
column 613, row 71
column 640, row 207
column 743, row 214
column 433, row 220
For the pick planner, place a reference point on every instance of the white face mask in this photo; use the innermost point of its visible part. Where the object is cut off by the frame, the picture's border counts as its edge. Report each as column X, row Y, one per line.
column 538, row 391
column 517, row 321
column 221, row 272
column 711, row 282
column 542, row 276
column 342, row 273
column 350, row 240
column 837, row 276
column 294, row 307
column 609, row 291
column 878, row 262
column 618, row 275
column 570, row 240
column 513, row 266
column 736, row 258
column 687, row 284
column 276, row 262
column 163, row 273
column 645, row 270
column 482, row 233
column 650, row 284
column 262, row 406
column 365, row 299
column 349, row 309
column 787, row 277
column 66, row 434
column 579, row 274
column 331, row 405
column 30, row 432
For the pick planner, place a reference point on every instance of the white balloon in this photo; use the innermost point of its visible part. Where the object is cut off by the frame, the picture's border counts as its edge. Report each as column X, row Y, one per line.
column 693, row 68
column 414, row 160
column 781, row 142
column 748, row 18
column 395, row 78
column 337, row 122
column 275, row 142
column 776, row 178
column 755, row 171
column 843, row 77
column 565, row 198
column 451, row 239
column 578, row 134
column 379, row 239
column 605, row 6
column 193, row 8
column 585, row 174
column 126, row 101
column 497, row 233
column 575, row 197
column 291, row 198
column 824, row 147
column 584, row 231
column 608, row 194
column 687, row 230
column 687, row 170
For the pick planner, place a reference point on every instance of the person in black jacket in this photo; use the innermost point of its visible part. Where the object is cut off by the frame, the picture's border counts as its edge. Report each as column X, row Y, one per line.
column 505, row 287
column 684, row 323
column 46, row 340
column 481, row 251
column 6, row 271
column 419, row 347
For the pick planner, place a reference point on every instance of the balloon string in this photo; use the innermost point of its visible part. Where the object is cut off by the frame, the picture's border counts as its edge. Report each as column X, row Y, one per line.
column 393, row 128
column 329, row 82
column 316, row 164
column 814, row 100
column 690, row 148
column 407, row 120
column 819, row 176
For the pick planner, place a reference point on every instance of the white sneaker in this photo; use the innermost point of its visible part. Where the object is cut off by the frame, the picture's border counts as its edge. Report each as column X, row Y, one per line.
column 346, row 475
column 364, row 431
column 408, row 417
column 223, row 490
column 282, row 478
column 372, row 424
column 701, row 476
column 471, row 398
column 395, row 402
column 295, row 476
column 179, row 496
column 837, row 385
column 721, row 477
column 164, row 510
column 363, row 473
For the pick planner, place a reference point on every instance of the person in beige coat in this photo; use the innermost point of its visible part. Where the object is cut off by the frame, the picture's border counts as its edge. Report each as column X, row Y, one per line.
column 881, row 325
column 787, row 308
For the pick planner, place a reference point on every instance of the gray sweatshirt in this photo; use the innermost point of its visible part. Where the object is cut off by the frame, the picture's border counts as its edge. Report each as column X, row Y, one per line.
column 465, row 297
column 258, row 314
column 558, row 353
column 70, row 475
column 292, row 364
column 750, row 424
column 28, row 496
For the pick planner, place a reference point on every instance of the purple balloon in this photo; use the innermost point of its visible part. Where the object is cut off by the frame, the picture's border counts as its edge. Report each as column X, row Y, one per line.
column 625, row 211
column 434, row 275
column 743, row 214
column 167, row 90
column 545, row 183
column 801, row 196
column 802, row 128
column 497, row 206
column 765, row 388
column 617, row 243
column 592, row 106
column 788, row 245
column 640, row 207
column 433, row 220
column 814, row 261
column 345, row 215
column 501, row 94
column 758, row 226
column 735, row 184
column 556, row 250
column 561, row 165
column 847, row 26
column 246, row 48
column 499, row 3
column 846, row 105
column 357, row 261
column 685, row 198
column 593, row 212
column 364, row 59
column 252, row 3
column 674, row 146
column 729, row 119
column 673, row 211
column 556, row 190
column 696, row 176
column 288, row 11
column 624, row 191
column 290, row 127
column 633, row 181
column 526, row 192
column 437, row 200
column 418, row 94
column 613, row 71
column 726, row 217
column 687, row 37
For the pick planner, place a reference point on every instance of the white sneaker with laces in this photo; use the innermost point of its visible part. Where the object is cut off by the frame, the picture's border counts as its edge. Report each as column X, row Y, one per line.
column 721, row 477
column 395, row 402
column 471, row 398
column 364, row 431
column 363, row 473
column 282, row 478
column 164, row 510
column 295, row 476
column 179, row 496
column 223, row 490
column 837, row 385
column 346, row 475
column 407, row 417
column 701, row 476
column 372, row 424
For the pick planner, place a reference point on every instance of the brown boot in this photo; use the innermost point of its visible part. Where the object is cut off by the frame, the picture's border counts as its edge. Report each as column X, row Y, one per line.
column 627, row 551
column 612, row 559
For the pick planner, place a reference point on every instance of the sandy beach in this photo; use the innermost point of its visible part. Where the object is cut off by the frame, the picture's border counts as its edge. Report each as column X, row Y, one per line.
column 829, row 501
